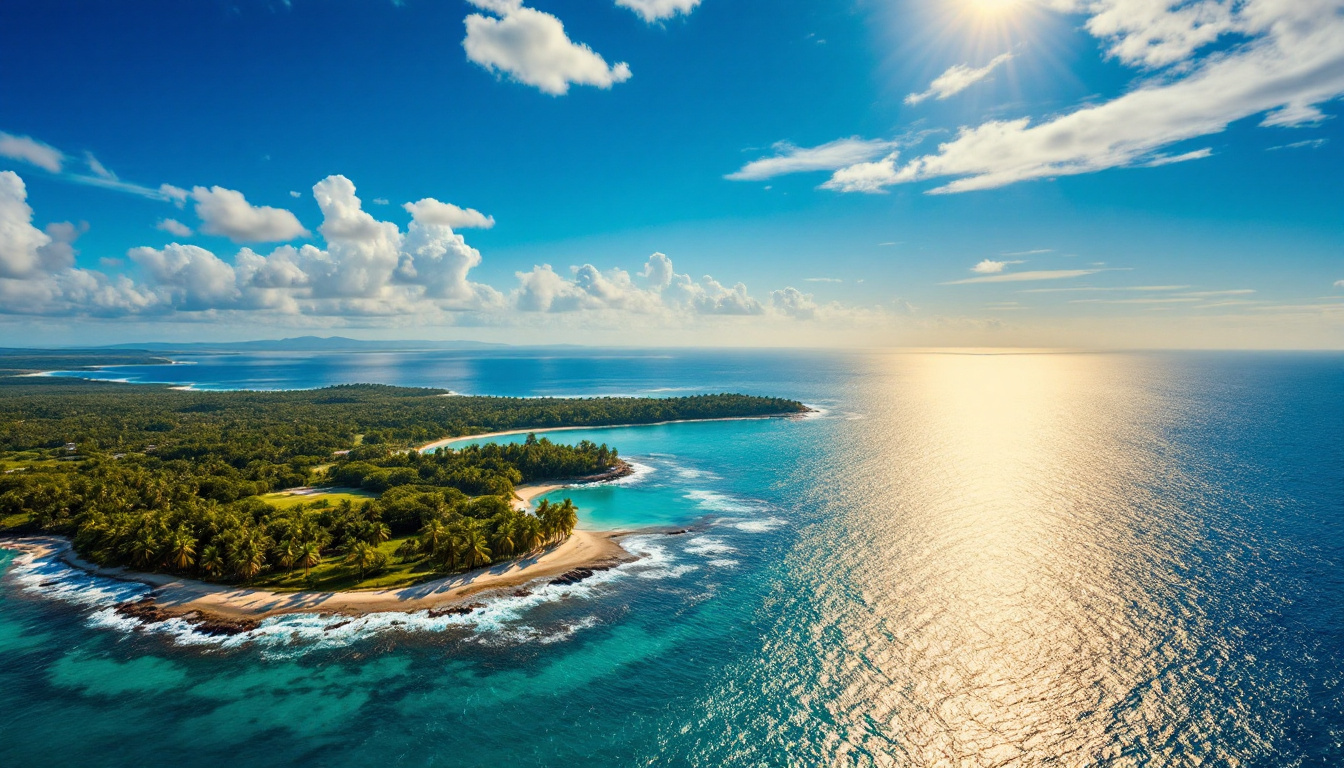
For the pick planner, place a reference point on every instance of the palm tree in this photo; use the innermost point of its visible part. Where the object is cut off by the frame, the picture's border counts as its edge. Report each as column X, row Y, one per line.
column 361, row 555
column 503, row 540
column 530, row 536
column 475, row 549
column 568, row 517
column 143, row 548
column 181, row 550
column 377, row 533
column 248, row 559
column 211, row 562
column 289, row 553
column 433, row 534
column 310, row 554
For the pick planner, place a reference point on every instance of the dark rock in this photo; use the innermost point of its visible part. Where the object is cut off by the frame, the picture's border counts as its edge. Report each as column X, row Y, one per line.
column 455, row 610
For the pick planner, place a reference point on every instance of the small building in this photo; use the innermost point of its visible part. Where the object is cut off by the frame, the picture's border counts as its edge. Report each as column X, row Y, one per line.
column 71, row 447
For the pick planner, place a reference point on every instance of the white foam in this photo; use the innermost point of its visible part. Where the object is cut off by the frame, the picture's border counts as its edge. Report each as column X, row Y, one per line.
column 54, row 579
column 723, row 563
column 708, row 545
column 757, row 526
column 721, row 502
column 498, row 620
column 639, row 473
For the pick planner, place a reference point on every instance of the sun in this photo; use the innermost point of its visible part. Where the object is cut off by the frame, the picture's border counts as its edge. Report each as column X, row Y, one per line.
column 993, row 7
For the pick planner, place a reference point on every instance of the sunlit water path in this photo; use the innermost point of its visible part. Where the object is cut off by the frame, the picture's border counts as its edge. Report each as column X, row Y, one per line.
column 964, row 559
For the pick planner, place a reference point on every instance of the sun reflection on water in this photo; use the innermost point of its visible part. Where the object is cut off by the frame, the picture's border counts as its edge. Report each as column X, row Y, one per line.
column 990, row 590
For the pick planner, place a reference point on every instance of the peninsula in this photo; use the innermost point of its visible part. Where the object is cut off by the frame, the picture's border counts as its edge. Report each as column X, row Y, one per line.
column 228, row 501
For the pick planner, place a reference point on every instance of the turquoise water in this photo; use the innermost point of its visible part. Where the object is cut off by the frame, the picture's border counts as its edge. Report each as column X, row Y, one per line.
column 963, row 560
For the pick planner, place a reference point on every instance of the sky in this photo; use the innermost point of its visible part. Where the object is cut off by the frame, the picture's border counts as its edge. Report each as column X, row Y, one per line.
column 1045, row 173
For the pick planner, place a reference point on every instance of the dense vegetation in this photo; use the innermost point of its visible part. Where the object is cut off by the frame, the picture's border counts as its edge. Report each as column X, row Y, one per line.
column 159, row 479
column 19, row 361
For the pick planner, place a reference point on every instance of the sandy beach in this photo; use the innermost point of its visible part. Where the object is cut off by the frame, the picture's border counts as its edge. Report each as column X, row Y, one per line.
column 177, row 596
column 543, row 430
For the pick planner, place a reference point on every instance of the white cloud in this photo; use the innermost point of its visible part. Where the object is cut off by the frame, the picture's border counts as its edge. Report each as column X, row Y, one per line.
column 531, row 47
column 991, row 267
column 31, row 151
column 174, row 227
column 871, row 178
column 957, row 79
column 295, row 193
column 97, row 168
column 789, row 158
column 1307, row 144
column 1016, row 277
column 542, row 289
column 794, row 303
column 176, row 195
column 431, row 211
column 37, row 274
column 193, row 277
column 658, row 271
column 822, row 280
column 1160, row 160
column 21, row 243
column 226, row 212
column 654, row 10
column 1290, row 60
column 1339, row 283
column 381, row 201
column 710, row 297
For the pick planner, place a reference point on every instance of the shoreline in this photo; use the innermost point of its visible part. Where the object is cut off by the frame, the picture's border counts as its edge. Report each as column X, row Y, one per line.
column 231, row 609
column 443, row 442
column 225, row 609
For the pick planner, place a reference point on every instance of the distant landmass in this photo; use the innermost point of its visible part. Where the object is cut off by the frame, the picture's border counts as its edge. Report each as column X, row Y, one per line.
column 304, row 344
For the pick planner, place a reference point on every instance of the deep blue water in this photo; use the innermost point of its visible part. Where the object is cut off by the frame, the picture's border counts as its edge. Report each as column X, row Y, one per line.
column 966, row 559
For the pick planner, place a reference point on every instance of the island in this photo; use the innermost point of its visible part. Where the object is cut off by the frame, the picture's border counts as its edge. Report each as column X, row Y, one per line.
column 244, row 504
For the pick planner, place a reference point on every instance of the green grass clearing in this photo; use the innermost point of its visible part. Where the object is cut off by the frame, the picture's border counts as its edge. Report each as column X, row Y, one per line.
column 333, row 497
column 333, row 575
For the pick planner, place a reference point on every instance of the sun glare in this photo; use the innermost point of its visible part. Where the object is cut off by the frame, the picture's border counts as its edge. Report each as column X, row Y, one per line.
column 993, row 7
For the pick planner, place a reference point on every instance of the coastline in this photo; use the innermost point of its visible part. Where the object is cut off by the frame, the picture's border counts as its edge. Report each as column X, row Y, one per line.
column 228, row 609
column 232, row 609
column 443, row 442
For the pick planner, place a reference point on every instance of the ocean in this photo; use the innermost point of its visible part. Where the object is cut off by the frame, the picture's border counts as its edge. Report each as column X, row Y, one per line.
column 963, row 558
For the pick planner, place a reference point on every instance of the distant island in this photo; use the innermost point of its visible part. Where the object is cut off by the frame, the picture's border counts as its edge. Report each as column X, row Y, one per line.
column 325, row 489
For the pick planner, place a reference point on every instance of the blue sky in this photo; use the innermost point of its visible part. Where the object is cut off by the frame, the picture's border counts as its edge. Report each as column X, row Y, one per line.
column 1114, row 173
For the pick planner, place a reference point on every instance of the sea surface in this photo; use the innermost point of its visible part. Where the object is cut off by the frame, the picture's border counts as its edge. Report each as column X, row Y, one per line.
column 963, row 559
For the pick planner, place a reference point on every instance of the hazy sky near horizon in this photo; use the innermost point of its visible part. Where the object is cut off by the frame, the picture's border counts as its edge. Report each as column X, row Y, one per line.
column 965, row 172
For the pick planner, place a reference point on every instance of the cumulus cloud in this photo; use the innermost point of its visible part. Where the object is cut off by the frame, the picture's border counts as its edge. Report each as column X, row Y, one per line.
column 794, row 303
column 174, row 227
column 1285, row 59
column 655, row 10
column 871, row 178
column 368, row 267
column 226, row 212
column 431, row 211
column 991, row 267
column 37, row 273
column 31, row 151
column 789, row 158
column 957, row 79
column 21, row 243
column 531, row 47
column 542, row 289
column 193, row 277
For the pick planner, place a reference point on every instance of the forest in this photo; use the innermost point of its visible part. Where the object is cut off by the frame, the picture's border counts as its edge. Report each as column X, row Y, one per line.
column 186, row 482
